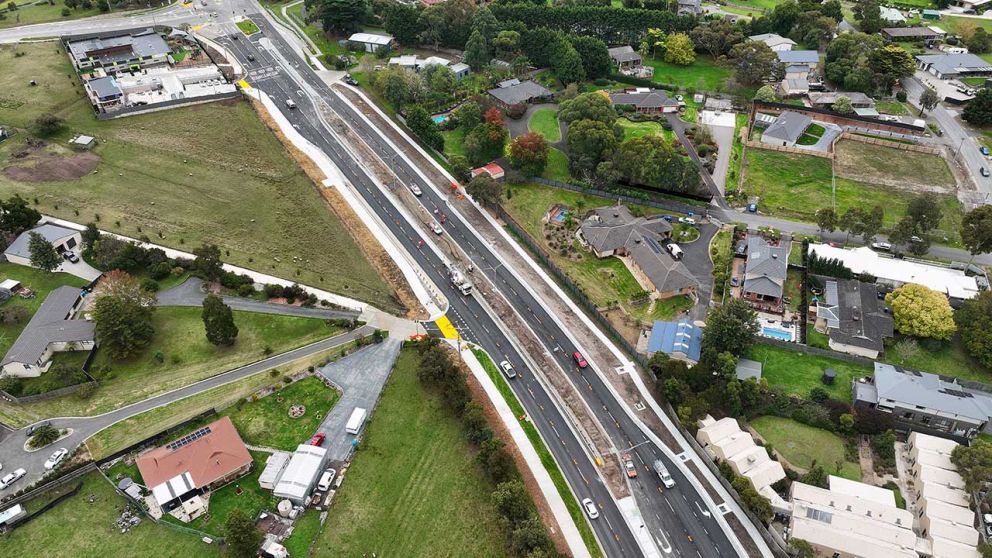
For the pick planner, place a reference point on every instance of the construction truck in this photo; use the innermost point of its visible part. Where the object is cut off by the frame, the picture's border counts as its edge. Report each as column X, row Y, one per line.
column 459, row 282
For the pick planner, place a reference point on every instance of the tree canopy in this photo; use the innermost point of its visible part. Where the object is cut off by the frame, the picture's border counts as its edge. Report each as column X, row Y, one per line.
column 529, row 153
column 122, row 312
column 588, row 106
column 921, row 312
column 43, row 254
column 974, row 320
column 218, row 321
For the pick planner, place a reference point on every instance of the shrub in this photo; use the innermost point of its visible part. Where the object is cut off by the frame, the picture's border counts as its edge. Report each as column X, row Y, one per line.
column 149, row 285
column 901, row 96
column 818, row 394
column 602, row 82
column 517, row 111
column 813, row 415
column 86, row 391
column 246, row 290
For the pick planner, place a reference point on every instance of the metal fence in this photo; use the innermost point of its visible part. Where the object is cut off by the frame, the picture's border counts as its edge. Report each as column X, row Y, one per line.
column 55, row 501
column 54, row 483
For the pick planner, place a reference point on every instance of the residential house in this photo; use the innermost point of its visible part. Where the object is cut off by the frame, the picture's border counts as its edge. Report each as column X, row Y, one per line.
column 851, row 520
column 103, row 92
column 891, row 15
column 625, row 57
column 373, row 42
column 492, row 169
column 415, row 63
column 764, row 273
column 952, row 66
column 925, row 402
column 513, row 91
column 826, row 99
column 645, row 100
column 680, row 340
column 52, row 329
column 794, row 87
column 724, row 440
column 775, row 42
column 926, row 34
column 689, row 7
column 852, row 315
column 501, row 64
column 969, row 4
column 787, row 128
column 183, row 470
column 117, row 51
column 639, row 243
column 794, row 58
column 61, row 238
column 300, row 476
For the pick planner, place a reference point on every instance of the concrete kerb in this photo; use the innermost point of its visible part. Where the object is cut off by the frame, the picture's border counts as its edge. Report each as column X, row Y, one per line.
column 569, row 530
column 232, row 60
column 588, row 323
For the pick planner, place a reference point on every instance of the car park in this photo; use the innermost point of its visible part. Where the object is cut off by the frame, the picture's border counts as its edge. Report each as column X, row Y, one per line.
column 579, row 359
column 436, row 228
column 56, row 458
column 416, row 190
column 507, row 369
column 11, row 478
column 628, row 465
column 590, row 507
column 318, row 439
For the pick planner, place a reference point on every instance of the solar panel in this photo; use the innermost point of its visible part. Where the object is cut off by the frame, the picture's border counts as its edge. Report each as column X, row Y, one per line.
column 957, row 393
column 196, row 435
column 819, row 515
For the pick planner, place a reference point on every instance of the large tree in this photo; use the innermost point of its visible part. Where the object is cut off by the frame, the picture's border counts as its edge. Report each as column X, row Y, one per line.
column 433, row 25
column 208, row 263
column 401, row 21
column 752, row 62
column 122, row 311
column 43, row 254
column 716, row 37
column 342, row 17
column 595, row 56
column 485, row 190
column 16, row 215
column 976, row 230
column 423, row 127
column 567, row 64
column 477, row 51
column 928, row 99
column 926, row 211
column 921, row 312
column 974, row 462
column 974, row 319
column 588, row 106
column 589, row 142
column 529, row 153
column 978, row 111
column 485, row 23
column 679, row 49
column 218, row 321
column 730, row 328
column 241, row 537
column 826, row 220
column 485, row 142
column 651, row 161
column 890, row 64
column 766, row 94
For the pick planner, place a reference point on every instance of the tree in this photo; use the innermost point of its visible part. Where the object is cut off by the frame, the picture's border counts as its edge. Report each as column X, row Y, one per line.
column 595, row 56
column 907, row 349
column 588, row 106
column 589, row 142
column 730, row 328
column 815, row 476
column 976, row 230
column 43, row 254
column 752, row 62
column 342, row 17
column 925, row 210
column 433, row 24
column 978, row 111
column 529, row 153
column 679, row 49
column 716, row 37
column 90, row 235
column 476, row 51
column 438, row 78
column 567, row 64
column 398, row 85
column 766, row 94
column 241, row 537
column 218, row 321
column 469, row 115
column 974, row 462
column 826, row 220
column 208, row 263
column 485, row 143
column 843, row 105
column 928, row 99
column 485, row 23
column 43, row 435
column 530, row 537
column 871, row 223
column 512, row 501
column 979, row 42
column 16, row 215
column 869, row 16
column 506, row 44
column 423, row 127
column 974, row 320
column 485, row 190
column 401, row 21
column 122, row 311
column 48, row 124
column 652, row 161
column 921, row 312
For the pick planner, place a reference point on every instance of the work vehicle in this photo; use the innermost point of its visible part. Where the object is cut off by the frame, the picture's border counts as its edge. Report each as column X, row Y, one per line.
column 628, row 464
column 318, row 439
column 324, row 484
column 590, row 508
column 291, row 104
column 666, row 478
column 508, row 370
column 12, row 478
column 579, row 359
column 674, row 250
column 459, row 282
column 356, row 421
column 883, row 246
column 56, row 458
column 436, row 228
column 416, row 190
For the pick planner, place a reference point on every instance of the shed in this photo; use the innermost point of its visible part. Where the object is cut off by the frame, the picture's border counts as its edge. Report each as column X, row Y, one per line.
column 82, row 142
column 931, row 14
column 275, row 464
column 10, row 285
column 829, row 375
column 301, row 474
column 747, row 369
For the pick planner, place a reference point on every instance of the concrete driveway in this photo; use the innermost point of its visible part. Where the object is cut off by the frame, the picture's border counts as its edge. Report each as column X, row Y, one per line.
column 191, row 293
column 721, row 125
column 360, row 376
column 80, row 269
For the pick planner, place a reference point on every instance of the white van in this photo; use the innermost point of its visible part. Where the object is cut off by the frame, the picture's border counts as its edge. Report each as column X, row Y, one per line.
column 663, row 474
column 356, row 421
column 324, row 484
column 674, row 250
column 291, row 104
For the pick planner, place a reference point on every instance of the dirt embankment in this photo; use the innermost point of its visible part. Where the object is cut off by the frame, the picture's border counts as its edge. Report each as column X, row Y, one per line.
column 37, row 161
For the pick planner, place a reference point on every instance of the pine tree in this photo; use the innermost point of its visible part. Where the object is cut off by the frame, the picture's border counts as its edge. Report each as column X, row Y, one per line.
column 218, row 320
column 476, row 53
column 43, row 254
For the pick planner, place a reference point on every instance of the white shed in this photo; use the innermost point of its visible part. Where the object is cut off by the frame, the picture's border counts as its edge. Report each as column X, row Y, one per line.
column 301, row 474
column 275, row 464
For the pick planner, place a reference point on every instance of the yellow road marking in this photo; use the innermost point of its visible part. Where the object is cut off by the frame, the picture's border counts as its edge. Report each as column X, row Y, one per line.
column 244, row 84
column 448, row 330
column 196, row 28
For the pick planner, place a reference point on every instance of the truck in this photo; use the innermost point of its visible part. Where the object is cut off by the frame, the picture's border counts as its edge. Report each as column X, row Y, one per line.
column 356, row 421
column 459, row 282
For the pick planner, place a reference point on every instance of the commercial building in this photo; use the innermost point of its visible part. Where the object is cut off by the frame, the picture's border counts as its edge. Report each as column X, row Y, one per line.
column 300, row 476
column 953, row 66
column 117, row 51
column 724, row 440
column 52, row 329
column 156, row 85
column 372, row 42
column 852, row 315
column 765, row 270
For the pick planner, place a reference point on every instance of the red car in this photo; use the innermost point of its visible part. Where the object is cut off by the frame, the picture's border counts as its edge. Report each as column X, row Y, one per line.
column 318, row 439
column 579, row 359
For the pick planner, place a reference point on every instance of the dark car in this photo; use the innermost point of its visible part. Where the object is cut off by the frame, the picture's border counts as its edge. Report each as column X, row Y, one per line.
column 352, row 81
column 32, row 429
column 984, row 172
column 71, row 256
column 984, row 150
column 251, row 57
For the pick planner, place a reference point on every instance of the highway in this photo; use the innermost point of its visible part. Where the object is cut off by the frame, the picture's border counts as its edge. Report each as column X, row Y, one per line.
column 677, row 518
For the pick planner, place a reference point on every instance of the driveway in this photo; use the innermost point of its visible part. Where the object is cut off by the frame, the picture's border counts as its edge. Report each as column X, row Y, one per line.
column 696, row 257
column 722, row 129
column 80, row 269
column 191, row 293
column 360, row 376
column 830, row 132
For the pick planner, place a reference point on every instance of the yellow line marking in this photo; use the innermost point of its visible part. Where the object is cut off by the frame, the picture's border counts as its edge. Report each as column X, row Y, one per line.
column 448, row 330
column 196, row 28
column 244, row 84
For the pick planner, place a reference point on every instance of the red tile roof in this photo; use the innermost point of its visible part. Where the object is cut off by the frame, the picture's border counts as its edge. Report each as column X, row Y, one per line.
column 208, row 454
column 493, row 169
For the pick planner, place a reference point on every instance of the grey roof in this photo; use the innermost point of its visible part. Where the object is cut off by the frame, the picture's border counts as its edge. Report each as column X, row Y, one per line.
column 766, row 267
column 793, row 68
column 623, row 54
column 830, row 97
column 797, row 84
column 656, row 98
column 104, row 87
column 912, row 32
column 910, row 388
column 747, row 369
column 50, row 325
column 522, row 92
column 789, row 126
column 854, row 314
column 608, row 229
column 145, row 43
column 460, row 67
column 48, row 231
column 950, row 64
column 798, row 56
column 772, row 39
column 718, row 104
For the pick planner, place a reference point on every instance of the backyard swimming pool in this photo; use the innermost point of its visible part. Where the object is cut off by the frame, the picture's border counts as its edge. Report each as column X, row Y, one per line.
column 776, row 333
column 439, row 118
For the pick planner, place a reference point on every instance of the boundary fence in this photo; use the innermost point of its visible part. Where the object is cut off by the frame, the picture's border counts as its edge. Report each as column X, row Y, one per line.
column 647, row 200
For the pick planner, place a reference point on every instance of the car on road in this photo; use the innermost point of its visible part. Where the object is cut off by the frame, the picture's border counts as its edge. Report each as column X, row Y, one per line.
column 436, row 228
column 687, row 220
column 915, row 238
column 31, row 429
column 883, row 246
column 11, row 478
column 291, row 104
column 508, row 370
column 590, row 508
column 628, row 464
column 71, row 256
column 579, row 359
column 416, row 190
column 56, row 458
column 984, row 150
column 324, row 484
column 663, row 474
column 318, row 439
column 984, row 172
column 234, row 37
column 251, row 57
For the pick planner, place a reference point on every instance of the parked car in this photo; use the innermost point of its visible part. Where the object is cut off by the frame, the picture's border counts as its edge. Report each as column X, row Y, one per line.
column 416, row 190
column 984, row 172
column 56, row 458
column 590, row 508
column 508, row 370
column 687, row 220
column 436, row 228
column 71, row 256
column 324, row 484
column 628, row 464
column 318, row 439
column 31, row 429
column 351, row 81
column 884, row 246
column 752, row 208
column 734, row 282
column 11, row 478
column 579, row 359
column 915, row 238
column 984, row 150
column 667, row 218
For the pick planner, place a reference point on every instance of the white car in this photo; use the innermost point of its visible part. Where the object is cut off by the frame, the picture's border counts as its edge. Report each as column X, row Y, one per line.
column 56, row 458
column 326, row 479
column 436, row 228
column 687, row 220
column 508, row 369
column 416, row 190
column 12, row 478
column 590, row 508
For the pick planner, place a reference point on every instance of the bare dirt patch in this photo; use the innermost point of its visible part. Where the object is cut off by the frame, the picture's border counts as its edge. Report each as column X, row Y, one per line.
column 896, row 168
column 35, row 163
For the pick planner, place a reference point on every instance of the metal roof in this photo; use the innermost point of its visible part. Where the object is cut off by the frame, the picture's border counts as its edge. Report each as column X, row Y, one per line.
column 522, row 92
column 910, row 388
column 51, row 233
column 676, row 337
column 50, row 324
column 789, row 126
column 766, row 266
column 371, row 38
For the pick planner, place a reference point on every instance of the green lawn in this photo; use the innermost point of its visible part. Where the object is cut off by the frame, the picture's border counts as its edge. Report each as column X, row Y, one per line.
column 86, row 529
column 454, row 142
column 30, row 12
column 557, row 168
column 705, row 74
column 42, row 283
column 162, row 175
column 948, row 359
column 545, row 122
column 647, row 128
column 187, row 358
column 247, row 26
column 413, row 479
column 793, row 290
column 736, row 155
column 665, row 310
column 304, row 532
column 798, row 373
column 267, row 423
column 759, row 4
column 801, row 445
column 891, row 107
column 951, row 24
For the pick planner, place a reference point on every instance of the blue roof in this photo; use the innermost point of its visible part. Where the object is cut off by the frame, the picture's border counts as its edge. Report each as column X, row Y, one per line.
column 676, row 337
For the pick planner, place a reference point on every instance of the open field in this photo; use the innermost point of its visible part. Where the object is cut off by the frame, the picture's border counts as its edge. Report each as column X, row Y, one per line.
column 649, row 128
column 796, row 186
column 948, row 359
column 545, row 122
column 798, row 373
column 86, row 530
column 205, row 174
column 187, row 357
column 557, row 168
column 704, row 74
column 875, row 163
column 29, row 12
column 801, row 445
column 413, row 479
column 42, row 283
